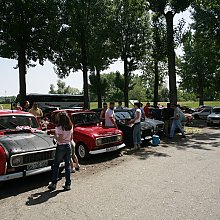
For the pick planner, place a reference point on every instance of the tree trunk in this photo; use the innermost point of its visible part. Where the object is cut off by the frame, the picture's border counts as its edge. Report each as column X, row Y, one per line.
column 201, row 93
column 85, row 72
column 126, row 82
column 99, row 93
column 171, row 57
column 85, row 87
column 156, row 82
column 22, row 76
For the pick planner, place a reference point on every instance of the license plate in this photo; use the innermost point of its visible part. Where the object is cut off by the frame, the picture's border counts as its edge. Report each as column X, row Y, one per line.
column 111, row 149
column 37, row 165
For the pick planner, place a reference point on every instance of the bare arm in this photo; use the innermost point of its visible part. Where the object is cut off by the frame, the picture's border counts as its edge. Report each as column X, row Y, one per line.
column 137, row 116
column 113, row 121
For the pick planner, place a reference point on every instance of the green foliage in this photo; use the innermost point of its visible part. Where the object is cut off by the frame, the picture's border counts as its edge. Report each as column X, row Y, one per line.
column 132, row 33
column 95, row 86
column 26, row 32
column 29, row 25
column 63, row 89
column 138, row 91
column 201, row 61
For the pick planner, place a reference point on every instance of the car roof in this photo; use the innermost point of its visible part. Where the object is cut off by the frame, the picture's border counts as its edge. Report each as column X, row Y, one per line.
column 14, row 112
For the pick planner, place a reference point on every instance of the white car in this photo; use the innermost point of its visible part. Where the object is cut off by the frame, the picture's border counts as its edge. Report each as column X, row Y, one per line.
column 202, row 114
column 214, row 117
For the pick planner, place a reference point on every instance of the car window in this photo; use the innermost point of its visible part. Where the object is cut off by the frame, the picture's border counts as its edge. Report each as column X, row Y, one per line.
column 216, row 110
column 12, row 121
column 206, row 110
column 85, row 118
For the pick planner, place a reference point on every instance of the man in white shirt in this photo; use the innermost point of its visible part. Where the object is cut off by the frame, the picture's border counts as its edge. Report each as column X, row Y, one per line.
column 110, row 121
column 137, row 126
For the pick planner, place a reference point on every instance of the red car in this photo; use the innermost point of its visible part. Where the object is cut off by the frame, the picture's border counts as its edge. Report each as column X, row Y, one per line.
column 25, row 150
column 89, row 136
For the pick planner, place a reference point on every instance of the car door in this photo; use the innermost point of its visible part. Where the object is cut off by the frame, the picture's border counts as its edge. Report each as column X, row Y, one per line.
column 205, row 113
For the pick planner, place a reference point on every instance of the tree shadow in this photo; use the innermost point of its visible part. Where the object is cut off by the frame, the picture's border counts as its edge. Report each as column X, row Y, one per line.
column 25, row 184
column 42, row 197
column 146, row 152
column 201, row 141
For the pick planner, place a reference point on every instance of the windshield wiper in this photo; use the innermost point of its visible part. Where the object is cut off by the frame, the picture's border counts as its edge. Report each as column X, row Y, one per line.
column 3, row 126
column 12, row 123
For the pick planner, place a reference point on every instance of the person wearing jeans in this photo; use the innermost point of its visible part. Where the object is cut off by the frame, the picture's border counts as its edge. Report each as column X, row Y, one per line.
column 63, row 152
column 176, row 122
column 137, row 126
column 63, row 136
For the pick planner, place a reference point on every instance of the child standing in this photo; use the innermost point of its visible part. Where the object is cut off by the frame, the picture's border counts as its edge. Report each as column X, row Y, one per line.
column 63, row 136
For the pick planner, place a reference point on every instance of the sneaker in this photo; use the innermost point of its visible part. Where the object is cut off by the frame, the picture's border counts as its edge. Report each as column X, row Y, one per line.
column 66, row 187
column 52, row 186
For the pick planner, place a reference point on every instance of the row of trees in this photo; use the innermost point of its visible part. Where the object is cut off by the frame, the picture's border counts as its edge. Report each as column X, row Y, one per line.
column 89, row 35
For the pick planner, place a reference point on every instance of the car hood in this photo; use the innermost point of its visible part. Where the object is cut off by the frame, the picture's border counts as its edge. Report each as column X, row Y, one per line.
column 96, row 131
column 214, row 115
column 195, row 113
column 154, row 121
column 145, row 125
column 26, row 142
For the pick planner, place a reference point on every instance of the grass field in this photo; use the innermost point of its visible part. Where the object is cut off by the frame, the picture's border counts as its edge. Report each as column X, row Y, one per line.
column 190, row 104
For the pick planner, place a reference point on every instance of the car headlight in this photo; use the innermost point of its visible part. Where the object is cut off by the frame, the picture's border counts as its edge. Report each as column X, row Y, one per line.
column 144, row 127
column 119, row 137
column 98, row 142
column 17, row 160
column 53, row 154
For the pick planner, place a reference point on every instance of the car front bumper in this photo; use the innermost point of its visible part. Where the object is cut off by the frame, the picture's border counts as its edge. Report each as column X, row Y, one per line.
column 109, row 149
column 26, row 173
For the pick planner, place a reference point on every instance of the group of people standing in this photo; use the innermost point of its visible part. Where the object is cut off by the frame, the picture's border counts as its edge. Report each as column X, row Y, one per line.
column 107, row 117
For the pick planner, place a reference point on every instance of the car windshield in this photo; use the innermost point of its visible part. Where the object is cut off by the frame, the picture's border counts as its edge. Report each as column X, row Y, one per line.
column 206, row 110
column 122, row 115
column 13, row 121
column 216, row 110
column 85, row 118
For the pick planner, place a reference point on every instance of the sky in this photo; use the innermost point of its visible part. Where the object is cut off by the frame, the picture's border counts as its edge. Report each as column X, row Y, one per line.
column 39, row 78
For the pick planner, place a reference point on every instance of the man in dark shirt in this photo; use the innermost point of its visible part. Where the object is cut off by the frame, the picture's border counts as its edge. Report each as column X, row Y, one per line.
column 167, row 115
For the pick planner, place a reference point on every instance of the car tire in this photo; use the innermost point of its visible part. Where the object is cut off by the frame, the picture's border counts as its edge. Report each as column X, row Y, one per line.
column 196, row 116
column 82, row 151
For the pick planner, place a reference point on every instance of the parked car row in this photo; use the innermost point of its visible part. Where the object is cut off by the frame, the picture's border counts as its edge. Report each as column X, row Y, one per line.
column 26, row 150
column 211, row 114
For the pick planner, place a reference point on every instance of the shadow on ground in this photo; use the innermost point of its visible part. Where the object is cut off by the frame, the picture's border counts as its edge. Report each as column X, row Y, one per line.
column 207, row 139
column 39, row 198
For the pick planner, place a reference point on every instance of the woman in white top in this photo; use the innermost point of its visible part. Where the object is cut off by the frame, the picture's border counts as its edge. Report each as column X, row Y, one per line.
column 63, row 136
column 137, row 126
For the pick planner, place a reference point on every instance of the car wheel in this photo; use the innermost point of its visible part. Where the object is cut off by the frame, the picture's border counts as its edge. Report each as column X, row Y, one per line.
column 196, row 116
column 82, row 151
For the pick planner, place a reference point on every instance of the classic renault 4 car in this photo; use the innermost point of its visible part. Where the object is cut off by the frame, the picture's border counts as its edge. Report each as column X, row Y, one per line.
column 24, row 149
column 89, row 136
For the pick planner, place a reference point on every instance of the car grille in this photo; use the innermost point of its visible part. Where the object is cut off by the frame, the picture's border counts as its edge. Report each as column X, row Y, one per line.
column 159, row 127
column 27, row 158
column 108, row 140
column 215, row 118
